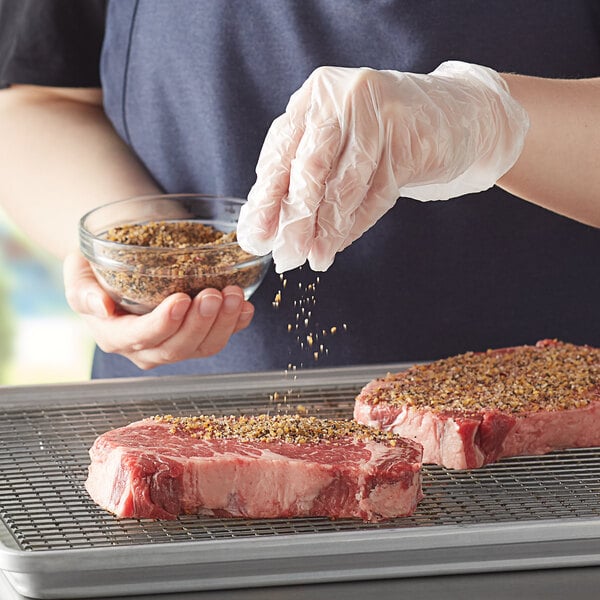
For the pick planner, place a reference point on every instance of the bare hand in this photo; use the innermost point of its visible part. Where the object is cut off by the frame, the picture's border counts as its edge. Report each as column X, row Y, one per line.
column 178, row 329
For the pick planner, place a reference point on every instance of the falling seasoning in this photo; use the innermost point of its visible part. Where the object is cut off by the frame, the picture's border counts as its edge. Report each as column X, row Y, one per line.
column 307, row 334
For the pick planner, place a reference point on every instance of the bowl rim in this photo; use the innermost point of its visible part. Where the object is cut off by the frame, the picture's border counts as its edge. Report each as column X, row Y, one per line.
column 91, row 237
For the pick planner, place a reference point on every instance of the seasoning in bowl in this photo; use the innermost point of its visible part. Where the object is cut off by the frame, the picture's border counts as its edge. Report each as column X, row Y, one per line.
column 141, row 263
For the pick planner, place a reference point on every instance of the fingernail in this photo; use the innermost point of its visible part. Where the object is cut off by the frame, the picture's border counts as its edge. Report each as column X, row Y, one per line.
column 179, row 309
column 246, row 316
column 95, row 305
column 231, row 303
column 210, row 305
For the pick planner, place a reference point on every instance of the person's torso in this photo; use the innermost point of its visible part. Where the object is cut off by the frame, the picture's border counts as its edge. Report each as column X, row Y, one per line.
column 193, row 86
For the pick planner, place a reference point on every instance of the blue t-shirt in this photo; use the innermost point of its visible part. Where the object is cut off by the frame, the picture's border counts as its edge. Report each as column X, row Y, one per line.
column 192, row 86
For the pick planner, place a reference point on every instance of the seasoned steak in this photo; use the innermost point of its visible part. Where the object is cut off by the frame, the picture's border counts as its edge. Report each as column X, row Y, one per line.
column 474, row 408
column 255, row 467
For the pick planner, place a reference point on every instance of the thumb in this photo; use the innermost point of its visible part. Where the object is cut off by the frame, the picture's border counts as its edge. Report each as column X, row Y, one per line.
column 82, row 290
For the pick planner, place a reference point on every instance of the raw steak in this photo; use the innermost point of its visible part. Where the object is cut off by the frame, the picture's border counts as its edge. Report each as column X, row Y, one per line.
column 472, row 409
column 255, row 467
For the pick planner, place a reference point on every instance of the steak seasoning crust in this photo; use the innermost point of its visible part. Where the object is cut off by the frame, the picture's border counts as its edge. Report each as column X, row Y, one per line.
column 474, row 408
column 255, row 467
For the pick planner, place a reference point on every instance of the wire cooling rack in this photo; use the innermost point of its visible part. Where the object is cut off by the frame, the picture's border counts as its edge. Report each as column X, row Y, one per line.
column 44, row 459
column 520, row 513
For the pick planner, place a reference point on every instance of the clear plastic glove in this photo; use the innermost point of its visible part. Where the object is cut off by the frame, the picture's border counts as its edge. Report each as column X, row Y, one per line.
column 177, row 329
column 354, row 140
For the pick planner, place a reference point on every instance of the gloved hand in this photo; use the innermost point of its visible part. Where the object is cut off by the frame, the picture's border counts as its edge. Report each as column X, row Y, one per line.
column 354, row 140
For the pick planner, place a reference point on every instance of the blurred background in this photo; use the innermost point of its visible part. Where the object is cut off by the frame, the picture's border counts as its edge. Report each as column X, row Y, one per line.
column 41, row 339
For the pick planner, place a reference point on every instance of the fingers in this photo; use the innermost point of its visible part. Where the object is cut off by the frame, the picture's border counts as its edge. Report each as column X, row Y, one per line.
column 233, row 315
column 213, row 317
column 380, row 197
column 113, row 330
column 310, row 170
column 313, row 178
column 259, row 217
column 311, row 167
column 128, row 334
column 350, row 179
column 295, row 162
column 178, row 329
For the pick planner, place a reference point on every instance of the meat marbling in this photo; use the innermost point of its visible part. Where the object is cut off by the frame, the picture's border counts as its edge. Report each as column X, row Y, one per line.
column 220, row 466
column 475, row 408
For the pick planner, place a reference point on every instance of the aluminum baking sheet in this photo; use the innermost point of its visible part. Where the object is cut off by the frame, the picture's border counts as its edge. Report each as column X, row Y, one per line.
column 522, row 513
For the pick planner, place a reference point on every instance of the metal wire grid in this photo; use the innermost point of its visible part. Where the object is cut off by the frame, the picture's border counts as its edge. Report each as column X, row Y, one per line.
column 43, row 466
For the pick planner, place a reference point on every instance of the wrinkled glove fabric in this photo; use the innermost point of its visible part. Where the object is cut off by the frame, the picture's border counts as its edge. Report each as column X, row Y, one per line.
column 354, row 140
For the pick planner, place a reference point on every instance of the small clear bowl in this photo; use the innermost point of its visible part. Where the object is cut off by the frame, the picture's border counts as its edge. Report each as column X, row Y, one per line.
column 139, row 277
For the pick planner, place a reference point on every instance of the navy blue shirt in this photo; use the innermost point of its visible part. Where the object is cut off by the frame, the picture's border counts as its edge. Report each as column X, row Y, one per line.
column 193, row 85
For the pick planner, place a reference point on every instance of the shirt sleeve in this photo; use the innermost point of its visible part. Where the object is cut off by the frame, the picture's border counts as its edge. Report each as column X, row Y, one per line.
column 51, row 42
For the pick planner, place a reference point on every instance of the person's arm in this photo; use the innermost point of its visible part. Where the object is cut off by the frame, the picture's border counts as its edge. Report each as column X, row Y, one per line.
column 352, row 141
column 60, row 157
column 559, row 167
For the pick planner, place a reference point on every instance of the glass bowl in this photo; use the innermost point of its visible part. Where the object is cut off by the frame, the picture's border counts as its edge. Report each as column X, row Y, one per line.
column 146, row 248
